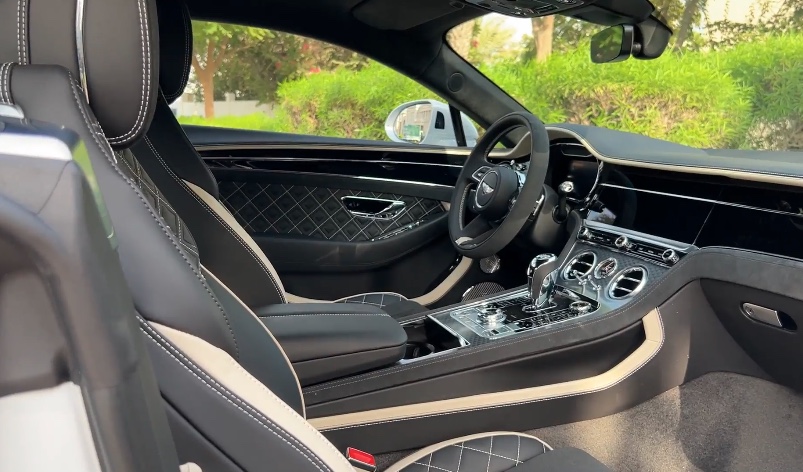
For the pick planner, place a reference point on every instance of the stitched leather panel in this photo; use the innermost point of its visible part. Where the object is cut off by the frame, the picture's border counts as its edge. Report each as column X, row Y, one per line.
column 315, row 212
column 134, row 171
column 489, row 454
column 379, row 299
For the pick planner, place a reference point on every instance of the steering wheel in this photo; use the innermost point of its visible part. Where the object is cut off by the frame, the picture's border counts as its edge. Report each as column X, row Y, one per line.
column 504, row 199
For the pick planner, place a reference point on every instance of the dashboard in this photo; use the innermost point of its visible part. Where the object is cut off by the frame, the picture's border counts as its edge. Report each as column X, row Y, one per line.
column 681, row 209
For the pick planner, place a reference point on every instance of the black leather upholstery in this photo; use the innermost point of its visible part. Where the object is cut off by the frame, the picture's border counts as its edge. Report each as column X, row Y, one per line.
column 331, row 340
column 175, row 47
column 122, row 56
column 158, row 253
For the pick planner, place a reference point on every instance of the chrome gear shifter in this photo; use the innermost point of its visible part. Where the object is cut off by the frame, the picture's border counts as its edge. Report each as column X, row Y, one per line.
column 541, row 277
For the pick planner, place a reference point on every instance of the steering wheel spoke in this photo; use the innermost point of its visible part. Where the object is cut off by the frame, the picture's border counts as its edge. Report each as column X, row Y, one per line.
column 474, row 233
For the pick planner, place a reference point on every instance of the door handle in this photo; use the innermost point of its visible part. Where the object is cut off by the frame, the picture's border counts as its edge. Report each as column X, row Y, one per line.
column 373, row 208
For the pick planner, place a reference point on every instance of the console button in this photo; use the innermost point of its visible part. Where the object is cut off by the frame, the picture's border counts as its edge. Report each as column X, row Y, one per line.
column 670, row 256
column 623, row 242
column 584, row 234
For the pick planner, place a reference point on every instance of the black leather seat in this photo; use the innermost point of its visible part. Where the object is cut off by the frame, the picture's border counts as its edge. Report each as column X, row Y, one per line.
column 179, row 172
column 231, row 395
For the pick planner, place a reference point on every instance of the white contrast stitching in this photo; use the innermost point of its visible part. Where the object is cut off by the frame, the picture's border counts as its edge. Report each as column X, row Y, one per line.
column 217, row 217
column 491, row 407
column 22, row 33
column 138, row 192
column 5, row 83
column 146, row 74
column 212, row 381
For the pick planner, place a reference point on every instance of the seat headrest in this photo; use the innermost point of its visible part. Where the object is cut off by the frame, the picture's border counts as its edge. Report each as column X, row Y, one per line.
column 175, row 47
column 109, row 46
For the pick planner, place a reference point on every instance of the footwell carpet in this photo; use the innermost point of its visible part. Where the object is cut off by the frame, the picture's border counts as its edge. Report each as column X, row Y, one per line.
column 719, row 422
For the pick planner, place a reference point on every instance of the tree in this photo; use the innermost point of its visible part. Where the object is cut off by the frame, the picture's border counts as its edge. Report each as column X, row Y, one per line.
column 493, row 42
column 255, row 73
column 543, row 32
column 213, row 45
column 691, row 15
column 460, row 37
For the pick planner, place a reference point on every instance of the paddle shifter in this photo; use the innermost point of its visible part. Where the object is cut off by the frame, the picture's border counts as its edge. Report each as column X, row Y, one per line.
column 541, row 277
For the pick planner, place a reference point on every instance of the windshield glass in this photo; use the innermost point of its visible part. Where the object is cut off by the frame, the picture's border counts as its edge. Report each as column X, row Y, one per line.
column 732, row 76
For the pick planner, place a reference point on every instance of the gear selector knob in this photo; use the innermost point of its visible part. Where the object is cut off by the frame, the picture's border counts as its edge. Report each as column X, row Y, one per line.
column 541, row 275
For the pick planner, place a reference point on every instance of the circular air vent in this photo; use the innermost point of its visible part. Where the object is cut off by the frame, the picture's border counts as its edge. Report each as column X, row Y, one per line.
column 628, row 283
column 581, row 264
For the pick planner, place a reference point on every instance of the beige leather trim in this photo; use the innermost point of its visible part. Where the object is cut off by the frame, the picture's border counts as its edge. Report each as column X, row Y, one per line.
column 189, row 467
column 414, row 457
column 223, row 213
column 427, row 299
column 209, row 275
column 654, row 339
column 221, row 367
column 558, row 132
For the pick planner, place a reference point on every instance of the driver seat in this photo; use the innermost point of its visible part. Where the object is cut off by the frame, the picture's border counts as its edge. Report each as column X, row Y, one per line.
column 179, row 172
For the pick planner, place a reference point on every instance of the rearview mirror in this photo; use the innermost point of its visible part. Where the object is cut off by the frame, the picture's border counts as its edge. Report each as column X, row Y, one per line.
column 427, row 122
column 614, row 44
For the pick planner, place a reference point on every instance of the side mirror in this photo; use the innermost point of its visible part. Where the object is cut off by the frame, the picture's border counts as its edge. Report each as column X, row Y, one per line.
column 427, row 122
column 614, row 44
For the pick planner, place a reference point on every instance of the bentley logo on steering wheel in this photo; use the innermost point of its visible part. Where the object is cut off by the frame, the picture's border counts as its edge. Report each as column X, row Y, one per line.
column 485, row 188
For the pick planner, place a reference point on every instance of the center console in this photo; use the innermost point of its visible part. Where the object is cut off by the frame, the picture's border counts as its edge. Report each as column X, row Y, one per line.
column 606, row 267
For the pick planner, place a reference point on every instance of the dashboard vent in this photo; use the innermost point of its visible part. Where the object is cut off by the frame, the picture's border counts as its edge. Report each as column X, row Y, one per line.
column 581, row 264
column 628, row 283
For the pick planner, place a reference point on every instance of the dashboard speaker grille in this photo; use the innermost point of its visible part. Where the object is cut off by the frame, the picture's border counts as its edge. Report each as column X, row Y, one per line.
column 628, row 283
column 581, row 264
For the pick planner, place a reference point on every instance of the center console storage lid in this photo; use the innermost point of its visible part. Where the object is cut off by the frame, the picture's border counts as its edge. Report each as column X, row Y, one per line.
column 325, row 341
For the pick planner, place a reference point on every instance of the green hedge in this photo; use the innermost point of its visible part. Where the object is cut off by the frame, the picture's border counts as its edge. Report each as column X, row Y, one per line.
column 748, row 96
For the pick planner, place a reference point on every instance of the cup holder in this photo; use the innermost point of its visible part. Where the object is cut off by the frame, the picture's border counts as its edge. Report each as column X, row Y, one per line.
column 416, row 350
column 425, row 337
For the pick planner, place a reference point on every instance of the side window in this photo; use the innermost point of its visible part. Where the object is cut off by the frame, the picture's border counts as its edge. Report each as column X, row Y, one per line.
column 252, row 78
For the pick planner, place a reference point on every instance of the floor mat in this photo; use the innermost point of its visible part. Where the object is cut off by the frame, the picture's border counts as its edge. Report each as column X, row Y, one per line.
column 717, row 422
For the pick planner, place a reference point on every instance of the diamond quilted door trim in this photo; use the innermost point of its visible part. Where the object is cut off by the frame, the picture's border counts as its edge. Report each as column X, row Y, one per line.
column 315, row 212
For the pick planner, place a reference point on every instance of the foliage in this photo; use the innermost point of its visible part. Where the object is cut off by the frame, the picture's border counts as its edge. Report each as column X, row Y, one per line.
column 256, row 72
column 772, row 73
column 682, row 99
column 765, row 18
column 347, row 103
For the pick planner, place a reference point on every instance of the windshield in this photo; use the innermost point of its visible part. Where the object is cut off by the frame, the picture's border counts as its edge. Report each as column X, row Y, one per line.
column 732, row 76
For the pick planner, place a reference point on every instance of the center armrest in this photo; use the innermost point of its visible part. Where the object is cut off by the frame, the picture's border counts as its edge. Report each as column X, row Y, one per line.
column 325, row 341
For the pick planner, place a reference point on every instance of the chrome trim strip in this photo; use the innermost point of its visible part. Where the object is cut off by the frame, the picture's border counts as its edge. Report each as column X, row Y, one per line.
column 705, row 200
column 324, row 159
column 641, row 237
column 80, row 12
column 358, row 177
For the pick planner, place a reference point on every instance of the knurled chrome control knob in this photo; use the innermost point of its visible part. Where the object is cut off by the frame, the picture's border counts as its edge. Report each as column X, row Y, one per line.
column 584, row 234
column 490, row 316
column 670, row 256
column 623, row 242
column 581, row 307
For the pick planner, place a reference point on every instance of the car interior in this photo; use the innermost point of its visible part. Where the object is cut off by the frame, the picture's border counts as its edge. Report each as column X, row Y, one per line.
column 574, row 299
